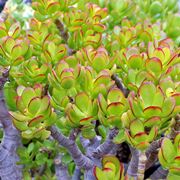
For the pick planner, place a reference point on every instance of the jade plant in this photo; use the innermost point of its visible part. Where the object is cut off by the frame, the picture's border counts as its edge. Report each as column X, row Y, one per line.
column 89, row 89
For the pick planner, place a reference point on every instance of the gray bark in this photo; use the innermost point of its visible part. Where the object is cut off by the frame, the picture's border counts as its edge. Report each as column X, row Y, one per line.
column 79, row 158
column 11, row 140
column 152, row 152
column 107, row 146
column 160, row 173
column 133, row 165
column 61, row 170
column 77, row 174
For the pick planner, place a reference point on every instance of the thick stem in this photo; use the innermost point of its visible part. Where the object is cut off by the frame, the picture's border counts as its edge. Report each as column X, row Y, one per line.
column 141, row 165
column 107, row 146
column 88, row 175
column 160, row 173
column 119, row 84
column 80, row 159
column 61, row 170
column 152, row 158
column 64, row 34
column 77, row 174
column 152, row 151
column 11, row 140
column 133, row 165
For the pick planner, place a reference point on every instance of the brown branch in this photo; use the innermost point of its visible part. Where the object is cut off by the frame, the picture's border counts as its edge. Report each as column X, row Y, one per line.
column 64, row 34
column 119, row 84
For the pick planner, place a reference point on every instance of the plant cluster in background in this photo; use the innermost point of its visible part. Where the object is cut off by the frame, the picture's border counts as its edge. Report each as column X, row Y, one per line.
column 94, row 75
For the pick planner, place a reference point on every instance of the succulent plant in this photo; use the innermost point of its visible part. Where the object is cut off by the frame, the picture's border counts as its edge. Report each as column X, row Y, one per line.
column 34, row 112
column 151, row 105
column 112, row 107
column 111, row 169
column 169, row 156
column 81, row 79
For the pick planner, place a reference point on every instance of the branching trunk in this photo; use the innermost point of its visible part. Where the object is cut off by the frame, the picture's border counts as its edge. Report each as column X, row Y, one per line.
column 160, row 173
column 11, row 140
column 133, row 165
column 119, row 84
column 77, row 174
column 141, row 165
column 61, row 170
column 80, row 159
column 107, row 146
column 152, row 151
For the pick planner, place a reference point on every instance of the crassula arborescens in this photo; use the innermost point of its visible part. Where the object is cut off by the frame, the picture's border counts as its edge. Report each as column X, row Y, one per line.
column 84, row 82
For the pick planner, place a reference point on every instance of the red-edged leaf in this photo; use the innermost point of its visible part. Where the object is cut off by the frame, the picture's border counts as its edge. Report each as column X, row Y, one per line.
column 35, row 121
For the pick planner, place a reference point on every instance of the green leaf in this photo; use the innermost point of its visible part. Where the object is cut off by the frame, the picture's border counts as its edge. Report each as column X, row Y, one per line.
column 66, row 158
column 102, row 103
column 115, row 108
column 119, row 138
column 10, row 96
column 113, row 160
column 20, row 125
column 154, row 65
column 168, row 106
column 18, row 116
column 152, row 134
column 135, row 62
column 88, row 133
column 115, row 95
column 99, row 174
column 9, row 44
column 136, row 127
column 168, row 150
column 152, row 111
column 27, row 95
column 16, row 51
column 83, row 102
column 99, row 63
column 53, row 7
column 30, row 147
column 35, row 121
column 15, row 30
column 67, row 82
column 74, row 114
column 155, row 8
column 152, row 121
column 147, row 91
column 3, row 32
column 34, row 105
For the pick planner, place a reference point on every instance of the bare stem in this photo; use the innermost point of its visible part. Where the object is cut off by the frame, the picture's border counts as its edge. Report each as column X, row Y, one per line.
column 11, row 140
column 133, row 165
column 107, row 146
column 64, row 34
column 141, row 165
column 119, row 84
column 61, row 170
column 80, row 159
column 160, row 173
column 152, row 151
